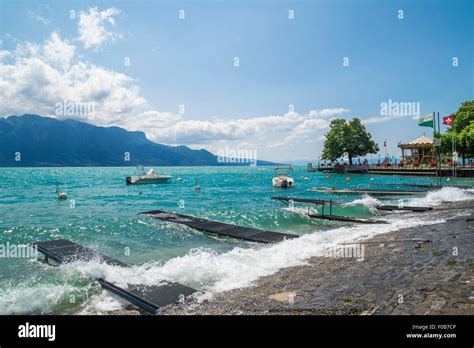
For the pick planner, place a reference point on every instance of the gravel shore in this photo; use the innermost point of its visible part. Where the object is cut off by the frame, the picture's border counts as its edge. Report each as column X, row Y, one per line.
column 398, row 275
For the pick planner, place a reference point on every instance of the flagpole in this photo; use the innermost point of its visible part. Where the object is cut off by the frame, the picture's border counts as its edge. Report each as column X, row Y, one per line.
column 453, row 147
column 438, row 157
column 434, row 139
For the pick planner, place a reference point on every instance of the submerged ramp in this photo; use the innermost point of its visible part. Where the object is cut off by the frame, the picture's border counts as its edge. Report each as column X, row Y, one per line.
column 346, row 219
column 220, row 228
column 408, row 208
column 288, row 200
column 149, row 298
column 64, row 251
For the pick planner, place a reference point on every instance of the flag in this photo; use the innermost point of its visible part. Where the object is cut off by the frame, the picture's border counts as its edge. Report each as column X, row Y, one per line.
column 385, row 143
column 448, row 120
column 426, row 121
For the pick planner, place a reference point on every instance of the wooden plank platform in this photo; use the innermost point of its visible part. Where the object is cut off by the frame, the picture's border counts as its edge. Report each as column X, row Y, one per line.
column 150, row 298
column 346, row 219
column 329, row 216
column 220, row 228
column 379, row 207
column 372, row 192
column 63, row 251
column 402, row 208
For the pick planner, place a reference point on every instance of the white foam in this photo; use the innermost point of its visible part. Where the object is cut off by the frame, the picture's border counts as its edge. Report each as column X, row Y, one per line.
column 446, row 194
column 301, row 211
column 31, row 299
column 366, row 200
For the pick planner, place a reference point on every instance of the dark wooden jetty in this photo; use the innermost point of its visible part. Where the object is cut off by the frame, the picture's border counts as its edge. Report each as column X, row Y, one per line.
column 220, row 228
column 150, row 298
column 401, row 207
column 330, row 202
column 371, row 192
column 330, row 216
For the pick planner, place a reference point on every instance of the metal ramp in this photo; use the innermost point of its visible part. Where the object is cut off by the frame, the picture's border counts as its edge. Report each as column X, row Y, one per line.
column 330, row 216
column 150, row 298
column 220, row 228
column 288, row 200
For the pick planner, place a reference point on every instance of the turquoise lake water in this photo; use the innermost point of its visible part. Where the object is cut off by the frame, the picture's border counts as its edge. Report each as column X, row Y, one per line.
column 104, row 217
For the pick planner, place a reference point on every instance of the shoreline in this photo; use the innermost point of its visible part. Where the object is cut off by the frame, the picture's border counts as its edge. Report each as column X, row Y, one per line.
column 397, row 275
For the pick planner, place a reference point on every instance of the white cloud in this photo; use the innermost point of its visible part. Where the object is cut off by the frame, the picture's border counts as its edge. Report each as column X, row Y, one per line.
column 39, row 18
column 92, row 26
column 58, row 52
column 199, row 131
column 35, row 77
column 327, row 112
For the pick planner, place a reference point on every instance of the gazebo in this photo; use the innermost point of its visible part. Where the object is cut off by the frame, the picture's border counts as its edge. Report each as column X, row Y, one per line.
column 419, row 150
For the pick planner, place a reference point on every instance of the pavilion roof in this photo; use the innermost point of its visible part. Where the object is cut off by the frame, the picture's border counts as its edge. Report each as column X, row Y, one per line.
column 422, row 141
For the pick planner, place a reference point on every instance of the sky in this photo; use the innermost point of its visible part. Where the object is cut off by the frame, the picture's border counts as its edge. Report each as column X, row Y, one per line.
column 266, row 76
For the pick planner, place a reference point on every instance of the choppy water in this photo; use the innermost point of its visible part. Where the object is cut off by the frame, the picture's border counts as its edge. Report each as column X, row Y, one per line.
column 104, row 217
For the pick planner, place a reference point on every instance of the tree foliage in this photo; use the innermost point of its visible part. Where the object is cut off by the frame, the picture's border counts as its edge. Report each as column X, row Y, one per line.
column 349, row 139
column 464, row 131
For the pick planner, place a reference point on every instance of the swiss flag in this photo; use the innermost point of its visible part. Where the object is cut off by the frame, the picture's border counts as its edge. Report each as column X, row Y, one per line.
column 448, row 120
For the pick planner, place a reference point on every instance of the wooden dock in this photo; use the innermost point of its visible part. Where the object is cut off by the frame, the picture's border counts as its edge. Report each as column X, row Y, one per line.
column 402, row 208
column 220, row 228
column 330, row 216
column 150, row 298
column 288, row 200
column 346, row 219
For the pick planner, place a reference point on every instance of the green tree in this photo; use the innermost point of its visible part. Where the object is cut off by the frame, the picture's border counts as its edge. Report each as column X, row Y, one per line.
column 464, row 131
column 349, row 139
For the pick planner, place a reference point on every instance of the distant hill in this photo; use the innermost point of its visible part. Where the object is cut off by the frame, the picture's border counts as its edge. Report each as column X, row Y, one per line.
column 45, row 141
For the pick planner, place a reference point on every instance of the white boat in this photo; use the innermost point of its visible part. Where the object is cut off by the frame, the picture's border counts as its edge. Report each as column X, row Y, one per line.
column 149, row 178
column 281, row 179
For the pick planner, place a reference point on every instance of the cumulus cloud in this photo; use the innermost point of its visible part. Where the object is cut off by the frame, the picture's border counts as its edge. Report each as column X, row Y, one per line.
column 203, row 131
column 327, row 112
column 93, row 27
column 35, row 77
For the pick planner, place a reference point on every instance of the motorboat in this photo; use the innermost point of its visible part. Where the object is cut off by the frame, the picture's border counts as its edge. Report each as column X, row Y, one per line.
column 149, row 178
column 281, row 178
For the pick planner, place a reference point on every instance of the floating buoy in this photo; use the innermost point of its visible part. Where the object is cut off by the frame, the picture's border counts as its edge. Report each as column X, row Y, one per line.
column 328, row 177
column 371, row 179
column 348, row 179
column 179, row 179
column 448, row 179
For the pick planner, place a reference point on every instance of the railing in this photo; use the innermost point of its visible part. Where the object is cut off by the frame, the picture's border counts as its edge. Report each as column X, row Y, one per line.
column 459, row 165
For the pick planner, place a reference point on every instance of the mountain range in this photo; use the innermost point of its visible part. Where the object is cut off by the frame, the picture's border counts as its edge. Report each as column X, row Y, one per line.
column 33, row 140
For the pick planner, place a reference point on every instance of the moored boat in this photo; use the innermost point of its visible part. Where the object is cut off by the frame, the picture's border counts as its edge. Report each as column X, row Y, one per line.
column 281, row 179
column 149, row 178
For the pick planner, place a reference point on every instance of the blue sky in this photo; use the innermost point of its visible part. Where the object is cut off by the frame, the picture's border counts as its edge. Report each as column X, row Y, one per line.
column 49, row 57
